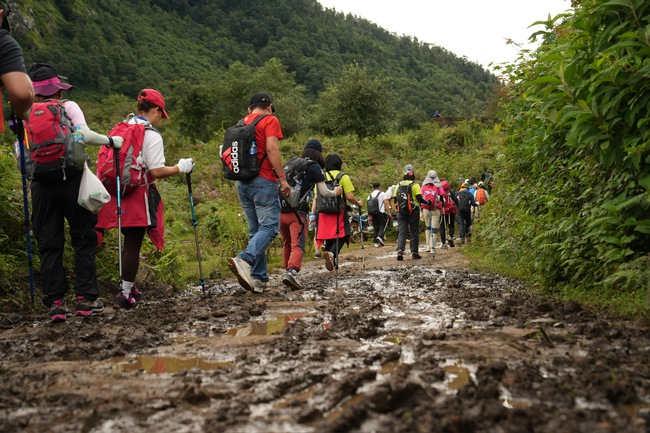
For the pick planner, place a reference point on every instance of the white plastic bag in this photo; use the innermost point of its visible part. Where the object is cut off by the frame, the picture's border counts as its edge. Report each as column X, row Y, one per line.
column 92, row 193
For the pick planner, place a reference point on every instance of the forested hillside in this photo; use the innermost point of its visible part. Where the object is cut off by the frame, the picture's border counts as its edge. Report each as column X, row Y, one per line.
column 118, row 46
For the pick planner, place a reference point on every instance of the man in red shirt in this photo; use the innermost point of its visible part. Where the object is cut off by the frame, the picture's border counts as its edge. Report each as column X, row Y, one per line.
column 259, row 197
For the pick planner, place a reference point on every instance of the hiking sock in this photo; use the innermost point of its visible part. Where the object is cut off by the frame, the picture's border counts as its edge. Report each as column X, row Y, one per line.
column 126, row 288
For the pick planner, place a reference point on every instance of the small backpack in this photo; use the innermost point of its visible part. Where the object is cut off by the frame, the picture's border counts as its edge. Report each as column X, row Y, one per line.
column 133, row 172
column 373, row 203
column 431, row 192
column 404, row 200
column 52, row 152
column 239, row 163
column 481, row 198
column 332, row 205
column 295, row 170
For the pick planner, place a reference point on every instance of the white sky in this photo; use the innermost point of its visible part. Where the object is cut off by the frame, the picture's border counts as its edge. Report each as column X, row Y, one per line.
column 476, row 29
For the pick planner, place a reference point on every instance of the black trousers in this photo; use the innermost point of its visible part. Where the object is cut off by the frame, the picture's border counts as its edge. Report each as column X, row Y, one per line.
column 379, row 225
column 51, row 203
column 465, row 222
column 409, row 225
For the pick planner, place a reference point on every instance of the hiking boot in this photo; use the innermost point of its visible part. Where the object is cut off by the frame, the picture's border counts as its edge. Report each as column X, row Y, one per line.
column 400, row 255
column 329, row 259
column 380, row 241
column 86, row 307
column 259, row 286
column 242, row 271
column 123, row 303
column 135, row 293
column 58, row 311
column 451, row 242
column 417, row 256
column 290, row 281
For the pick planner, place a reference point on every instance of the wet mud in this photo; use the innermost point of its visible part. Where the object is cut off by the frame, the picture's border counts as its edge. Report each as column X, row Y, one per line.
column 414, row 346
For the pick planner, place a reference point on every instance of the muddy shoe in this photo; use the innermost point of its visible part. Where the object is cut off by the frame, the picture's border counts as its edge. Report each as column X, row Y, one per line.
column 451, row 243
column 123, row 303
column 290, row 281
column 259, row 286
column 417, row 256
column 86, row 307
column 380, row 241
column 59, row 312
column 135, row 293
column 400, row 255
column 242, row 271
column 329, row 259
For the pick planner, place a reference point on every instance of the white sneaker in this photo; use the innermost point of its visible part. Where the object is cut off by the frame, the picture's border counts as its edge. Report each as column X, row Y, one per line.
column 242, row 271
column 376, row 245
column 380, row 241
column 427, row 248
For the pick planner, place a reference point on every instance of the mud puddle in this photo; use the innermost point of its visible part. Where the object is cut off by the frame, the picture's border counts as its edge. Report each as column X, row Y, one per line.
column 420, row 345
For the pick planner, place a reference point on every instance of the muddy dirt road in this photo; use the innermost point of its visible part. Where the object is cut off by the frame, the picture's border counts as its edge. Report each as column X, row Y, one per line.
column 413, row 346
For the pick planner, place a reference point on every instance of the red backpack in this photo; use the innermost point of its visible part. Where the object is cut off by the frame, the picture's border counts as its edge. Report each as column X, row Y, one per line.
column 133, row 173
column 480, row 196
column 431, row 192
column 52, row 154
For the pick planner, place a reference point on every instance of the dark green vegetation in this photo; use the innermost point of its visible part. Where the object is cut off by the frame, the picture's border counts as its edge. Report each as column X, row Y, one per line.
column 570, row 207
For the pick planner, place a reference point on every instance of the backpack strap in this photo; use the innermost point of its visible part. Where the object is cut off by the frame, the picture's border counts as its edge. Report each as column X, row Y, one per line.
column 254, row 122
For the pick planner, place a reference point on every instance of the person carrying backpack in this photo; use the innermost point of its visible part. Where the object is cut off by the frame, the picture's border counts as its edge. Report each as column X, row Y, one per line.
column 431, row 213
column 465, row 204
column 377, row 203
column 447, row 214
column 54, row 197
column 259, row 196
column 142, row 206
column 293, row 221
column 408, row 196
column 481, row 196
column 333, row 222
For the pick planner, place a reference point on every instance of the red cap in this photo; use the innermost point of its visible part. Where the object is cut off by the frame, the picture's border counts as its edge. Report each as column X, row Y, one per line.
column 155, row 97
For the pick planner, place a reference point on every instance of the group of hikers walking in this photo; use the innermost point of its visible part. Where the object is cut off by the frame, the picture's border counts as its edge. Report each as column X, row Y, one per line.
column 310, row 190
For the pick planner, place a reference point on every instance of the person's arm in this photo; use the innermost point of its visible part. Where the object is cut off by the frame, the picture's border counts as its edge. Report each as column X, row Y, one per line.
column 352, row 199
column 421, row 199
column 93, row 138
column 325, row 192
column 273, row 155
column 21, row 92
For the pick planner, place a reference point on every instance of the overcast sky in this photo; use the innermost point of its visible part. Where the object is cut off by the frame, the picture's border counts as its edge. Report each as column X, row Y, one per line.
column 476, row 29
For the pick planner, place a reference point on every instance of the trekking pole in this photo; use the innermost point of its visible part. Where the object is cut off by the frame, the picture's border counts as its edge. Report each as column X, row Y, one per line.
column 196, row 233
column 116, row 154
column 336, row 265
column 363, row 254
column 20, row 135
column 432, row 237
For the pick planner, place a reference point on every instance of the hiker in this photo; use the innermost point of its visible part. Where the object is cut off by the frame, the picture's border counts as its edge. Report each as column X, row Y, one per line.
column 13, row 76
column 54, row 199
column 379, row 216
column 408, row 196
column 293, row 223
column 447, row 214
column 143, row 207
column 431, row 213
column 465, row 204
column 259, row 197
column 481, row 196
column 334, row 227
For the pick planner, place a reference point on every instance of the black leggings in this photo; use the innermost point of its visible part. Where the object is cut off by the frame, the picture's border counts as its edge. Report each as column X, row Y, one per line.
column 133, row 237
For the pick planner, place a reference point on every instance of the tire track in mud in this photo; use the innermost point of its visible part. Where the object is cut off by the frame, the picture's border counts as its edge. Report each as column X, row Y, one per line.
column 399, row 347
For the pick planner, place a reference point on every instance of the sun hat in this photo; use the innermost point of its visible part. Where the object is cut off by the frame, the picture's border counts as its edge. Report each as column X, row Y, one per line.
column 466, row 185
column 409, row 170
column 261, row 98
column 432, row 177
column 314, row 143
column 46, row 81
column 155, row 97
column 481, row 184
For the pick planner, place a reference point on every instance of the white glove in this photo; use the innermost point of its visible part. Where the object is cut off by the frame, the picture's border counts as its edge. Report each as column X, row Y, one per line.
column 185, row 165
column 117, row 142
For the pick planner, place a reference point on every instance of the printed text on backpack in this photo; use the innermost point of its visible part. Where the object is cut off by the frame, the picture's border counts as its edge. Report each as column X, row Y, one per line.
column 51, row 154
column 331, row 205
column 133, row 173
column 238, row 162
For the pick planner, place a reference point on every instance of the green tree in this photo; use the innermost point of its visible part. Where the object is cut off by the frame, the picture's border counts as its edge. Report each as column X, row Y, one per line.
column 357, row 103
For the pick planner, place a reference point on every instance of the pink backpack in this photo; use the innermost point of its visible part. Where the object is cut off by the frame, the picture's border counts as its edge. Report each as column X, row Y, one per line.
column 431, row 192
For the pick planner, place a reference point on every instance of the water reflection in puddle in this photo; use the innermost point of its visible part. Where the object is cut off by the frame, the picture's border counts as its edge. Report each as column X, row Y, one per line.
column 269, row 327
column 165, row 364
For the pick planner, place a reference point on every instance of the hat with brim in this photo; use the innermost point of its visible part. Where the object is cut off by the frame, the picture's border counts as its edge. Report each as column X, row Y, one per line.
column 432, row 177
column 46, row 81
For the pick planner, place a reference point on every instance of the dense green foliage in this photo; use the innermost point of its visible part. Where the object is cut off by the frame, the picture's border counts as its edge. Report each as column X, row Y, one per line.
column 118, row 46
column 574, row 211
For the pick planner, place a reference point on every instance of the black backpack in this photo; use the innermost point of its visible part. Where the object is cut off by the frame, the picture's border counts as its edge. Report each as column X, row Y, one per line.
column 404, row 199
column 295, row 170
column 236, row 157
column 464, row 201
column 373, row 203
column 331, row 205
